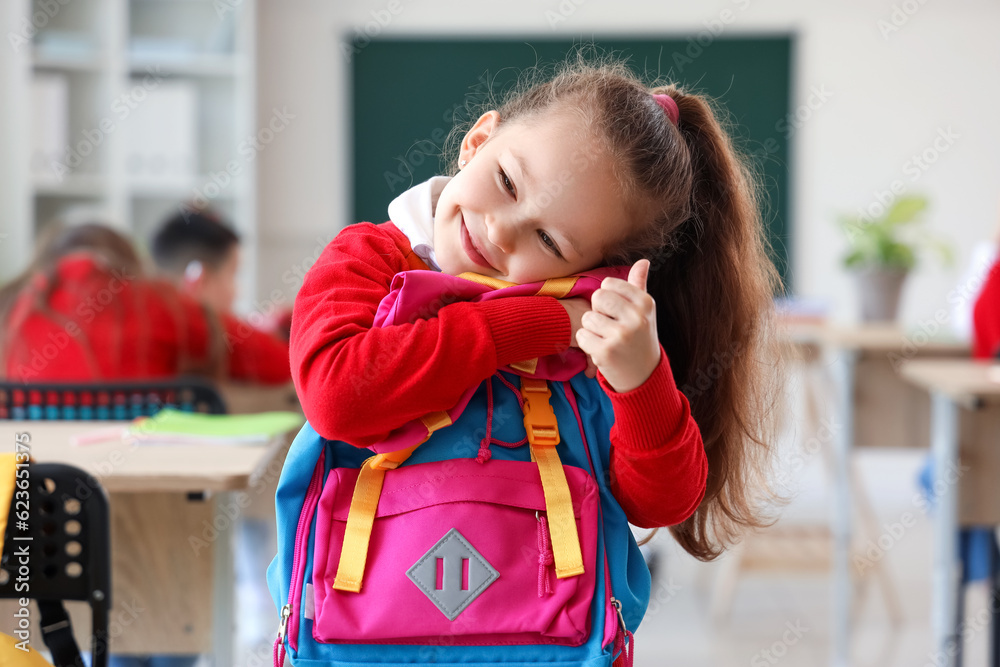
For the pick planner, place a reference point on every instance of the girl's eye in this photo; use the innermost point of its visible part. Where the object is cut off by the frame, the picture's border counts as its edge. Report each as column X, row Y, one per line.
column 547, row 240
column 506, row 182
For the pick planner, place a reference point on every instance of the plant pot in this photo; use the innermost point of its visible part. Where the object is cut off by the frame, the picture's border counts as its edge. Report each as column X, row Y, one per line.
column 879, row 290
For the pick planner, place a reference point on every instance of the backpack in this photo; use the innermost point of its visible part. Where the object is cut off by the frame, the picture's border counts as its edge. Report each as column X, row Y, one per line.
column 486, row 534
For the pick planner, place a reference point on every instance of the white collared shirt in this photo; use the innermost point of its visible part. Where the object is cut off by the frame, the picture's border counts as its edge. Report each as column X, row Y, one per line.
column 413, row 214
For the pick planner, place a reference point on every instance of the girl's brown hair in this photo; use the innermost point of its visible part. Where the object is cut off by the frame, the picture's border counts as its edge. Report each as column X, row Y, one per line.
column 115, row 253
column 710, row 273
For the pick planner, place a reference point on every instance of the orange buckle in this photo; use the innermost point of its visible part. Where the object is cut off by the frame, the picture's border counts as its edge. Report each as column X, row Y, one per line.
column 539, row 419
column 392, row 460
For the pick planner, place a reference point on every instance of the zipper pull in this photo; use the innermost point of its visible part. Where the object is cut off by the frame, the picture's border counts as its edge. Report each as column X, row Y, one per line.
column 286, row 611
column 618, row 608
column 624, row 642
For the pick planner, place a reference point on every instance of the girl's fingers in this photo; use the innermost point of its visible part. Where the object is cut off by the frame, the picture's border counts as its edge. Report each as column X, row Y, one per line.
column 622, row 288
column 588, row 342
column 620, row 295
column 609, row 302
column 616, row 308
column 598, row 323
column 638, row 274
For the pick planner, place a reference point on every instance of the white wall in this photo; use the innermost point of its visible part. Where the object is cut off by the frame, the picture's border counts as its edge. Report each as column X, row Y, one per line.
column 889, row 96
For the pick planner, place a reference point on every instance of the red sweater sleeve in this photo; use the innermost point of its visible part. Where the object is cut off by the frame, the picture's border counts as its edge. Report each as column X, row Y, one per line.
column 357, row 382
column 986, row 317
column 658, row 464
column 250, row 355
column 255, row 356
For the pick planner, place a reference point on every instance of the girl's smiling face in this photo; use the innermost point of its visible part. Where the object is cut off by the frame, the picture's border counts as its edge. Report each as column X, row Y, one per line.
column 534, row 201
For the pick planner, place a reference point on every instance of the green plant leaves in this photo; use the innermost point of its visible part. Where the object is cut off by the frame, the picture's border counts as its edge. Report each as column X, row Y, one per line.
column 905, row 210
column 892, row 240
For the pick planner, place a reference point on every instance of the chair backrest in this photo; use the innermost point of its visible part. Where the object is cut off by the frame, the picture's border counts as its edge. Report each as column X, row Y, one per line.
column 57, row 547
column 107, row 400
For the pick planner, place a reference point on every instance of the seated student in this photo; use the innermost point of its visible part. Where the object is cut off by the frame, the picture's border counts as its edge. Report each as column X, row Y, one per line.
column 978, row 545
column 986, row 315
column 85, row 310
column 200, row 253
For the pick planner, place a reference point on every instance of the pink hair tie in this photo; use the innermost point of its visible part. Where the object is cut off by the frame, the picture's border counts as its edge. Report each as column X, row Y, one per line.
column 669, row 106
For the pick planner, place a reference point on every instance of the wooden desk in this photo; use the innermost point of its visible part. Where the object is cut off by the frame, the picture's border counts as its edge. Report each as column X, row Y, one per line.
column 249, row 398
column 965, row 429
column 873, row 407
column 172, row 553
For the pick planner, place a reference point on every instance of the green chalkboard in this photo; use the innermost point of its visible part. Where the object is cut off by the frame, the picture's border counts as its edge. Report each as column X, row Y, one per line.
column 407, row 93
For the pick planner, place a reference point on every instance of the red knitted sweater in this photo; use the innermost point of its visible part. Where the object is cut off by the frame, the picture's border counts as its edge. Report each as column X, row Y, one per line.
column 986, row 317
column 100, row 325
column 356, row 383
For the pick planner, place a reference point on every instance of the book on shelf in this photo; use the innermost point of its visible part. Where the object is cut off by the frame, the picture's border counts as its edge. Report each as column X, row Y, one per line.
column 49, row 130
column 161, row 133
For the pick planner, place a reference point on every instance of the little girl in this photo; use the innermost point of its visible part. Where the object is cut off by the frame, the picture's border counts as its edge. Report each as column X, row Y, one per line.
column 587, row 169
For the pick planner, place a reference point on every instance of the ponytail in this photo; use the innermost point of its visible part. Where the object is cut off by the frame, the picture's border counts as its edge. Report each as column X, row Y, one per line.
column 713, row 290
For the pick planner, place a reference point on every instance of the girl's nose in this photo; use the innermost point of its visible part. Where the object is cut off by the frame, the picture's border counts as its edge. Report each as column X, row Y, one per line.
column 501, row 233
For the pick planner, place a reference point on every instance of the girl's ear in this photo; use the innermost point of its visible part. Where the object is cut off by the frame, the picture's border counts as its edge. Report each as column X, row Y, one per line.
column 478, row 134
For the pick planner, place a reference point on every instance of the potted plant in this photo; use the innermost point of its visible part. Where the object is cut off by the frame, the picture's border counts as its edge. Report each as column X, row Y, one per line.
column 883, row 250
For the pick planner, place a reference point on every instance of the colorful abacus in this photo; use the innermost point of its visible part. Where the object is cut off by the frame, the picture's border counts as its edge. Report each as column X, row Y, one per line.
column 105, row 401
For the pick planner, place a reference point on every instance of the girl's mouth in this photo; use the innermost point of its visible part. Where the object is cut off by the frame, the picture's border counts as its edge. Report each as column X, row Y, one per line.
column 470, row 248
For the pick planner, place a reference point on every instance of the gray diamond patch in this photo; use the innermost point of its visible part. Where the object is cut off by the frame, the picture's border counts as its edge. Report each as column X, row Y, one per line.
column 452, row 574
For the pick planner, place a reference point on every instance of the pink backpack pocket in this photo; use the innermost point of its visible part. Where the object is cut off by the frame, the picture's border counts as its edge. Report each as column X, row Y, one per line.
column 459, row 552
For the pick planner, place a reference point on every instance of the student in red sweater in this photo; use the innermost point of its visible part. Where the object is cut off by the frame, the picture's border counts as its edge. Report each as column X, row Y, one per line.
column 85, row 310
column 587, row 170
column 986, row 316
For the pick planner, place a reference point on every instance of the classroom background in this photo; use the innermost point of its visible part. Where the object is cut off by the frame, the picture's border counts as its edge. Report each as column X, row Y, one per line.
column 122, row 110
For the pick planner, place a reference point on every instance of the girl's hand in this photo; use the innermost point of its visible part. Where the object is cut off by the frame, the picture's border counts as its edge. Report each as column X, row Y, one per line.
column 619, row 332
column 575, row 308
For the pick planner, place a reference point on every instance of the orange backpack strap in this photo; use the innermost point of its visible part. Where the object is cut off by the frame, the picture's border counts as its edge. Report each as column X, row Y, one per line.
column 543, row 434
column 364, row 505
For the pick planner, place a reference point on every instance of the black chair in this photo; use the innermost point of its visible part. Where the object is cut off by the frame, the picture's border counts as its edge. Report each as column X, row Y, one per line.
column 102, row 401
column 62, row 551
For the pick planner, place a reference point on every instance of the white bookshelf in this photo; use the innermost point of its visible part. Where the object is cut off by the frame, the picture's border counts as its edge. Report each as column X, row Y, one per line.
column 158, row 96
